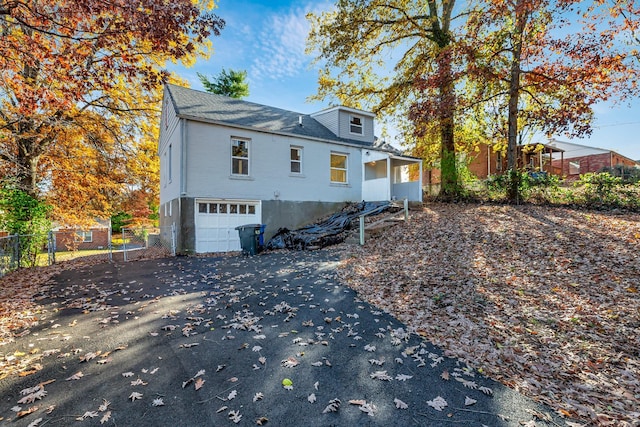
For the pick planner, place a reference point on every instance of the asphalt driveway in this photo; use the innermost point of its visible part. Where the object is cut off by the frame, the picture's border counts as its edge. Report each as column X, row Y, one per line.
column 267, row 340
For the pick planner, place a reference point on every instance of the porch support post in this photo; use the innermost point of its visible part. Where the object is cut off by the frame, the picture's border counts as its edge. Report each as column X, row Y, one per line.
column 420, row 181
column 406, row 209
column 389, row 179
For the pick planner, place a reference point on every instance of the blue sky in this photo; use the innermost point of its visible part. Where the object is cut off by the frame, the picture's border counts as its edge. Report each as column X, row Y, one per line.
column 267, row 38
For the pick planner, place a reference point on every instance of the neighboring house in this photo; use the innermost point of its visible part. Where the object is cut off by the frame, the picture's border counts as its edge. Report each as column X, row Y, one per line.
column 486, row 161
column 580, row 159
column 534, row 157
column 95, row 235
column 226, row 162
column 564, row 159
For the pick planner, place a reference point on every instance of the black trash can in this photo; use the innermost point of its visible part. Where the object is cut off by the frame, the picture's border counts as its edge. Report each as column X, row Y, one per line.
column 251, row 238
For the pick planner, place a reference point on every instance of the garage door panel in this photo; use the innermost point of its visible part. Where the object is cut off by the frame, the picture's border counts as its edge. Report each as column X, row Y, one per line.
column 216, row 221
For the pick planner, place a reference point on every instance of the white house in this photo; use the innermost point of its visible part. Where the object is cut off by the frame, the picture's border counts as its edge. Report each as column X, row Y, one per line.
column 226, row 162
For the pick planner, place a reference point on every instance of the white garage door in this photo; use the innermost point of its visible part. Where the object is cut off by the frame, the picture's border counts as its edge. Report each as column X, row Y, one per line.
column 216, row 222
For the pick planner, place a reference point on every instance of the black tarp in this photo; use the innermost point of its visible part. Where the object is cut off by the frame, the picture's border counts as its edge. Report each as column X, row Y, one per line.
column 328, row 232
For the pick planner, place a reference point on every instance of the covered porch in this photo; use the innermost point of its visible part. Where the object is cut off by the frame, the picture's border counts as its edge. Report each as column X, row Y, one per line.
column 539, row 157
column 388, row 176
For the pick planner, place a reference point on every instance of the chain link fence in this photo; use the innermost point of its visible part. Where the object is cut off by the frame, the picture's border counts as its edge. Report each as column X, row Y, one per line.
column 136, row 243
column 18, row 251
column 9, row 254
column 24, row 250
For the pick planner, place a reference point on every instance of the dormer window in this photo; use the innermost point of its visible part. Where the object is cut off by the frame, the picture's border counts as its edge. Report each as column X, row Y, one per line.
column 355, row 125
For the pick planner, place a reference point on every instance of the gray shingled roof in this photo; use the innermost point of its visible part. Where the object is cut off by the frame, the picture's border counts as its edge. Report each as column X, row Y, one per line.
column 210, row 107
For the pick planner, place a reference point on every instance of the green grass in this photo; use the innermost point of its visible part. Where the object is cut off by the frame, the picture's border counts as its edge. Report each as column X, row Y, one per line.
column 43, row 258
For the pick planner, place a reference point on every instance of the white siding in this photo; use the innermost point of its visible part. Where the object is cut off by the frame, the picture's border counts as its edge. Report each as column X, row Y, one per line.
column 168, row 122
column 344, row 129
column 328, row 119
column 209, row 167
column 170, row 136
column 337, row 121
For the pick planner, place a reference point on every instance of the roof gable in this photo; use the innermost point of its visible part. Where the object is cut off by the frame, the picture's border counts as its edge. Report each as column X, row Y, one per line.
column 197, row 105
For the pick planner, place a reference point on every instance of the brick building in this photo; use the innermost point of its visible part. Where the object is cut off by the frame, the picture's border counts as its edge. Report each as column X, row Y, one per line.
column 580, row 159
column 95, row 235
column 564, row 159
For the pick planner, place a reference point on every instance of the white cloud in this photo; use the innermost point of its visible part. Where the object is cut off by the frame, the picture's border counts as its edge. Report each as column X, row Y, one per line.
column 281, row 45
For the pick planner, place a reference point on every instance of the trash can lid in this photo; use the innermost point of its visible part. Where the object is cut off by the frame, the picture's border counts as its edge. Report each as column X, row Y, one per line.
column 242, row 227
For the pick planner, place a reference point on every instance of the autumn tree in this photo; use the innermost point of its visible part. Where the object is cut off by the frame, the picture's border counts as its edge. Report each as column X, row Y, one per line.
column 395, row 58
column 27, row 217
column 546, row 64
column 80, row 84
column 232, row 83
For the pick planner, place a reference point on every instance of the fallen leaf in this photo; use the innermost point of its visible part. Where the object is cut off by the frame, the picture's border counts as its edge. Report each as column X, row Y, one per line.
column 235, row 416
column 31, row 410
column 104, row 405
column 75, row 376
column 333, row 406
column 135, row 396
column 486, row 390
column 400, row 404
column 290, row 362
column 88, row 414
column 381, row 375
column 403, row 377
column 438, row 403
column 30, row 398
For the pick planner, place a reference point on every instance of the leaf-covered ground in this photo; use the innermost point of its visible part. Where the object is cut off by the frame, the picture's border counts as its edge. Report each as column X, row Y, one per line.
column 542, row 299
column 273, row 339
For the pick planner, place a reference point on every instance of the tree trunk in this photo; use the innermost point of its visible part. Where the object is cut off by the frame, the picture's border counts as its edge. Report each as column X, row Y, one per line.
column 27, row 166
column 513, row 191
column 449, row 186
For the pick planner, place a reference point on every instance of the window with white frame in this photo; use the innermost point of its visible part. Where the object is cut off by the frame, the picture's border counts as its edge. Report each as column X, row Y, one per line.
column 84, row 236
column 574, row 167
column 296, row 159
column 355, row 125
column 339, row 168
column 239, row 157
column 226, row 208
